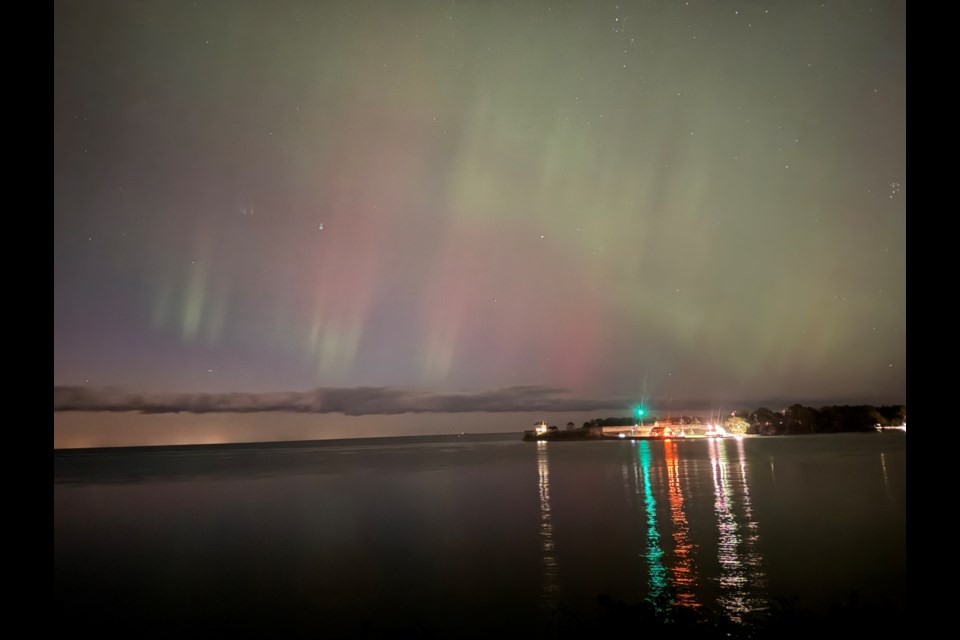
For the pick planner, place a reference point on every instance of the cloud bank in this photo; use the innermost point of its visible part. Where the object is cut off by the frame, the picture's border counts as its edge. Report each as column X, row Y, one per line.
column 355, row 401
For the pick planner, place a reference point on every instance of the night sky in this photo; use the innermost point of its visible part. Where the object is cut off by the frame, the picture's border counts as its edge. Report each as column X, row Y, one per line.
column 370, row 208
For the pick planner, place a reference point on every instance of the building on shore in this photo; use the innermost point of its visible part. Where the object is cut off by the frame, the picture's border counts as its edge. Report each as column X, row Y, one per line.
column 672, row 427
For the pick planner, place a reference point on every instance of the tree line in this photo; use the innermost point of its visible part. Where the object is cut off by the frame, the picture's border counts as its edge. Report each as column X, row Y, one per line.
column 798, row 419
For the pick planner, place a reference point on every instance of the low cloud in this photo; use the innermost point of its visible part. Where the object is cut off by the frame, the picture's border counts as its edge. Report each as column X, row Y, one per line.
column 355, row 401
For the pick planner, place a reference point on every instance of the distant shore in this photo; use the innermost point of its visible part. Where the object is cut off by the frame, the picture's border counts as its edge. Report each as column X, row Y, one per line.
column 581, row 435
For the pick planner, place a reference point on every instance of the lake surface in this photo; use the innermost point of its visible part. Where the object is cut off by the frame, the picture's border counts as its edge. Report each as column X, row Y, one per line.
column 464, row 537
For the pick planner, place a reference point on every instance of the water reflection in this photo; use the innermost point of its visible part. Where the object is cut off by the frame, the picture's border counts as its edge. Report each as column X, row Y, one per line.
column 741, row 577
column 752, row 559
column 654, row 554
column 441, row 542
column 684, row 569
column 551, row 581
column 679, row 538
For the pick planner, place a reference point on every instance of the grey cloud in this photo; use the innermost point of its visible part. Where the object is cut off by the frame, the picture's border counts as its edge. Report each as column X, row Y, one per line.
column 350, row 401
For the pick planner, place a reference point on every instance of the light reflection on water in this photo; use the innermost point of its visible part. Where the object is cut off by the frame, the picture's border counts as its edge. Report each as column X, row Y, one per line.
column 677, row 562
column 434, row 532
column 551, row 578
column 741, row 575
column 684, row 568
column 654, row 555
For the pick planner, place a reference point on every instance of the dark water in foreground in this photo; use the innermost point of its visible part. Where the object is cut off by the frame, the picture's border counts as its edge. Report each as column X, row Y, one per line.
column 441, row 537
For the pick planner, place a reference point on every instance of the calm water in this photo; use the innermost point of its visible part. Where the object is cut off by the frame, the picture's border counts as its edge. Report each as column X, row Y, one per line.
column 438, row 537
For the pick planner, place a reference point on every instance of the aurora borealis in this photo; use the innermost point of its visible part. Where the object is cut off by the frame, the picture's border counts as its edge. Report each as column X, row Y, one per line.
column 706, row 198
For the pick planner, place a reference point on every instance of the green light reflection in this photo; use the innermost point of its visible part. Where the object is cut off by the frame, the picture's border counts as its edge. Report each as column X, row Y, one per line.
column 654, row 555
